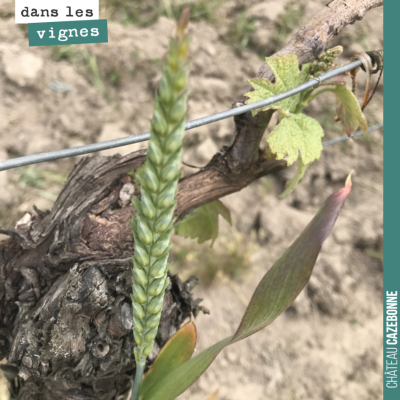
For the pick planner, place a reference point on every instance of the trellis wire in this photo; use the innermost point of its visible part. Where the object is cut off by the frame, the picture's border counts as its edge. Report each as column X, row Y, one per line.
column 110, row 144
column 355, row 134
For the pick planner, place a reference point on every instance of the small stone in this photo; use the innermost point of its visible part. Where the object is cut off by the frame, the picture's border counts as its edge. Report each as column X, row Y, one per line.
column 126, row 193
column 22, row 68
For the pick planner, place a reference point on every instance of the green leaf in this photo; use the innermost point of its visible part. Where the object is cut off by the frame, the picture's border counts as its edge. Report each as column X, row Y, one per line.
column 297, row 133
column 202, row 223
column 305, row 94
column 287, row 76
column 349, row 111
column 305, row 73
column 274, row 294
column 289, row 187
column 176, row 351
column 181, row 378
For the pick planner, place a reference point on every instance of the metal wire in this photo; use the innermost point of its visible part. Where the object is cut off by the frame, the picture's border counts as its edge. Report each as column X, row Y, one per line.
column 355, row 134
column 110, row 144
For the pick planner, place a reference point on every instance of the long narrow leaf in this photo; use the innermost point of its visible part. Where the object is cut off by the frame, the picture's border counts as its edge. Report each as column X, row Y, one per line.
column 176, row 351
column 290, row 274
column 274, row 294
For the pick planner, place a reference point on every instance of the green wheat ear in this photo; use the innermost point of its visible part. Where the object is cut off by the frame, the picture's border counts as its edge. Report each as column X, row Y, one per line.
column 152, row 226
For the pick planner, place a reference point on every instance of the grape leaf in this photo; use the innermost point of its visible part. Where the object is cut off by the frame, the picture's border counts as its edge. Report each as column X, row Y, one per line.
column 349, row 111
column 287, row 76
column 274, row 294
column 297, row 133
column 202, row 223
column 289, row 187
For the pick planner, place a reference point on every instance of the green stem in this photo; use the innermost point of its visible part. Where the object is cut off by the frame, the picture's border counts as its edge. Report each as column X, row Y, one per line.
column 138, row 381
column 153, row 223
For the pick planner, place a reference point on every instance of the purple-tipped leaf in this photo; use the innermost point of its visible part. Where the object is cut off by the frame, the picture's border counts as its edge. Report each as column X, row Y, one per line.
column 274, row 294
column 290, row 274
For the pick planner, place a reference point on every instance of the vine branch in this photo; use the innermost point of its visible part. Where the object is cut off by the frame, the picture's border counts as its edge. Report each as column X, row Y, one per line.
column 308, row 43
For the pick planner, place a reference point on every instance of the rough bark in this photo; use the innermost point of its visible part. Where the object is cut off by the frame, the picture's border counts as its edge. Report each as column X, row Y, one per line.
column 65, row 316
column 65, row 291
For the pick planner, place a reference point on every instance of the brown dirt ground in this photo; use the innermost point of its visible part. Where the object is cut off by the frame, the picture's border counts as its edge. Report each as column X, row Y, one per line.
column 328, row 345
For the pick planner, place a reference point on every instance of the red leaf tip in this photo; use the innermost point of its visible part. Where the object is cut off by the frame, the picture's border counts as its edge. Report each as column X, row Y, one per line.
column 348, row 180
column 183, row 22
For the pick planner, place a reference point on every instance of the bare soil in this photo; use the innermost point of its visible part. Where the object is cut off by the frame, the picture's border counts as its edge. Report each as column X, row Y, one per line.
column 328, row 345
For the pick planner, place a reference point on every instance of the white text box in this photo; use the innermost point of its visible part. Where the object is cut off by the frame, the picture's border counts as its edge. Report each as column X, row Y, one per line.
column 31, row 11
